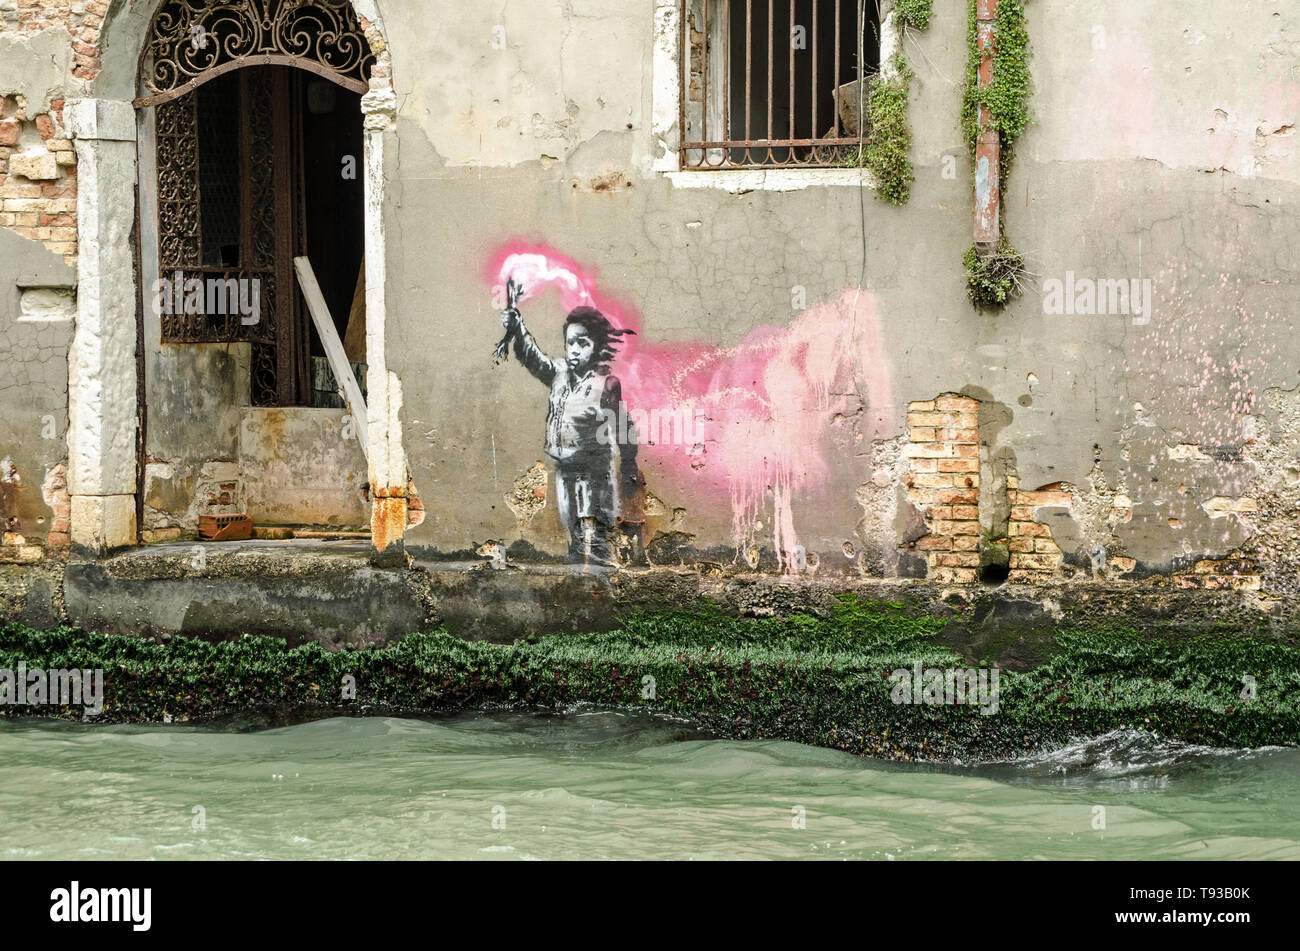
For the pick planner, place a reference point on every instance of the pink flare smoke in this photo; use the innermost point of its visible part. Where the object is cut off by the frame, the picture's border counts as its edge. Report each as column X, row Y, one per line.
column 762, row 410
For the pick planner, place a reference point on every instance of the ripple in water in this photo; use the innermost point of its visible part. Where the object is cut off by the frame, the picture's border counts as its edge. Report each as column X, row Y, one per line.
column 593, row 783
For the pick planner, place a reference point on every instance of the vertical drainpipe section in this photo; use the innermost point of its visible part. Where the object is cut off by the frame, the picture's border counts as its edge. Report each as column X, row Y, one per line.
column 988, row 148
column 387, row 461
column 988, row 226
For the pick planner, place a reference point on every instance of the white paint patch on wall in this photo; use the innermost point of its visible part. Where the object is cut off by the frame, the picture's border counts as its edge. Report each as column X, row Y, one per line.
column 512, row 82
column 736, row 180
column 47, row 305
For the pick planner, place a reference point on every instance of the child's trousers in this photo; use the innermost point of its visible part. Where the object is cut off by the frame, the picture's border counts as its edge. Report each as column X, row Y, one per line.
column 587, row 500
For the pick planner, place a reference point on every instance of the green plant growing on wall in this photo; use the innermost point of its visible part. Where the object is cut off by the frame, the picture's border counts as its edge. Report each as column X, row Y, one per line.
column 914, row 12
column 887, row 153
column 1007, row 94
column 993, row 279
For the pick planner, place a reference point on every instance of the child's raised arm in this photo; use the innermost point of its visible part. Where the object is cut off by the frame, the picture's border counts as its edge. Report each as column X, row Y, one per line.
column 527, row 351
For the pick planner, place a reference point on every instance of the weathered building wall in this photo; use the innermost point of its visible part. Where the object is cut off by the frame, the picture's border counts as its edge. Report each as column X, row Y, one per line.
column 37, row 294
column 806, row 328
column 314, row 452
column 36, row 313
column 1162, row 150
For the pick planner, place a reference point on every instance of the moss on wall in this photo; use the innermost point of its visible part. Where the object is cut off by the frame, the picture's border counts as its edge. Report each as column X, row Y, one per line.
column 824, row 681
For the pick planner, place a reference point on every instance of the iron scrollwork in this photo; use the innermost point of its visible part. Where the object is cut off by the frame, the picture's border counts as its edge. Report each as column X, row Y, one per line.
column 193, row 41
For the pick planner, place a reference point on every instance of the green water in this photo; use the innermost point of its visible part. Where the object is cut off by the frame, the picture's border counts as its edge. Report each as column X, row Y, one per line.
column 606, row 784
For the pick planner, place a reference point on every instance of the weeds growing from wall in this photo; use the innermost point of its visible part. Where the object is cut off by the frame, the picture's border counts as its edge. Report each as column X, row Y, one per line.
column 994, row 279
column 887, row 153
column 914, row 12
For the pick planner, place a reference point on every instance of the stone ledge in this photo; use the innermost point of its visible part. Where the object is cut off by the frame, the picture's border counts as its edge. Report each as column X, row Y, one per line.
column 330, row 592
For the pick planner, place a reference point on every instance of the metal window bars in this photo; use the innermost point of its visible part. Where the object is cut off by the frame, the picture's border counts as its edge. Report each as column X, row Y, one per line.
column 803, row 115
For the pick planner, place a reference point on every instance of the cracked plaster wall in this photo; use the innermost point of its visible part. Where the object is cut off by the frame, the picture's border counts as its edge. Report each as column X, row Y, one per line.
column 518, row 141
column 33, row 395
column 1163, row 147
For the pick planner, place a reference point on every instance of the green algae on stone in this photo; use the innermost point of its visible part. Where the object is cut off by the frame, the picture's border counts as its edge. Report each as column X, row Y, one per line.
column 824, row 681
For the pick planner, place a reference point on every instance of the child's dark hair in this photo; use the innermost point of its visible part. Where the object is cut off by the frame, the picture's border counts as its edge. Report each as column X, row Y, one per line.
column 605, row 337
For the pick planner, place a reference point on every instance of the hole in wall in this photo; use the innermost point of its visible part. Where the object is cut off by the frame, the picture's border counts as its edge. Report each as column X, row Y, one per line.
column 994, row 574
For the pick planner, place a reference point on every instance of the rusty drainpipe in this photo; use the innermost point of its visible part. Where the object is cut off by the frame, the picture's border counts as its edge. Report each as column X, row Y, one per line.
column 988, row 148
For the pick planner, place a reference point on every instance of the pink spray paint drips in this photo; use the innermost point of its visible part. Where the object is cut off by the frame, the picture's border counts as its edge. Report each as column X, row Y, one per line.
column 758, row 414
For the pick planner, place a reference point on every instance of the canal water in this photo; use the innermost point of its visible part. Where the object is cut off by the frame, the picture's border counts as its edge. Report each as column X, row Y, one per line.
column 608, row 784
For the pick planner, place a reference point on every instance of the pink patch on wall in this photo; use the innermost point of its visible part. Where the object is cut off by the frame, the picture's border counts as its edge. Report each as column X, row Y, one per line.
column 742, row 423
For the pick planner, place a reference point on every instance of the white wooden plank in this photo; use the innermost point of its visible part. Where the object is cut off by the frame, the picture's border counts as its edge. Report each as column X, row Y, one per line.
column 329, row 336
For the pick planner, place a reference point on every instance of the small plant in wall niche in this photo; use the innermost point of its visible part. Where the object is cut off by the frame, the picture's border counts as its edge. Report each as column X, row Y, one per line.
column 993, row 279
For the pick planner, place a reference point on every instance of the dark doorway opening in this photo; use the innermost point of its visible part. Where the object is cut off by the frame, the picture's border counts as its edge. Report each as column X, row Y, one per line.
column 334, row 200
column 256, row 167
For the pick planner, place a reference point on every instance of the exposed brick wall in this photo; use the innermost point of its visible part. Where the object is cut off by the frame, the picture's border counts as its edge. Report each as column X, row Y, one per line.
column 38, row 177
column 32, row 16
column 943, row 482
column 1035, row 557
column 1241, row 574
column 85, row 43
column 81, row 18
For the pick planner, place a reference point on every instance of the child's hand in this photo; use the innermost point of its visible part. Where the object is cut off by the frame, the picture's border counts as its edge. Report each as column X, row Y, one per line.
column 509, row 318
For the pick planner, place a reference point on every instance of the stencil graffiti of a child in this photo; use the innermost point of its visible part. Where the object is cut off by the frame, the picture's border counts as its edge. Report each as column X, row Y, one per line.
column 596, row 478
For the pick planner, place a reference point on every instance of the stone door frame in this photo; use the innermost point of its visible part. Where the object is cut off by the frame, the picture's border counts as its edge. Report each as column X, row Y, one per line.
column 108, row 133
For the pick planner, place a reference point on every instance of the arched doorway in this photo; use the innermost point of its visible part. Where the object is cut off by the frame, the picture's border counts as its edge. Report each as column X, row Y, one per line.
column 254, row 126
column 115, row 126
column 257, row 142
column 255, row 168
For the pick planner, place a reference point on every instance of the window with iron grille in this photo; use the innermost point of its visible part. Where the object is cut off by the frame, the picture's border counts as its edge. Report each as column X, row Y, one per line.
column 776, row 83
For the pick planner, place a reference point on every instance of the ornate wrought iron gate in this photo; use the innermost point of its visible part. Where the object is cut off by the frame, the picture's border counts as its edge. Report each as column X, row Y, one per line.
column 226, row 79
column 259, row 198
